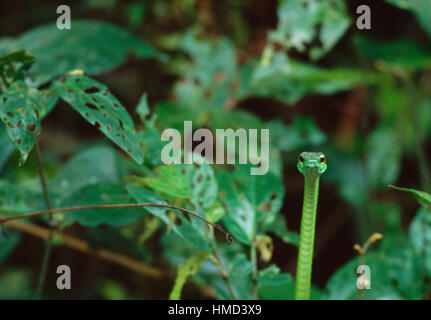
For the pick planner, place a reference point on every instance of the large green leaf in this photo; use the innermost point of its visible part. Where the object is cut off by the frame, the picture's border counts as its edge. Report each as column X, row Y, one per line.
column 290, row 80
column 208, row 79
column 298, row 21
column 93, row 46
column 273, row 285
column 94, row 165
column 97, row 194
column 20, row 108
column 240, row 219
column 202, row 184
column 249, row 200
column 383, row 157
column 101, row 108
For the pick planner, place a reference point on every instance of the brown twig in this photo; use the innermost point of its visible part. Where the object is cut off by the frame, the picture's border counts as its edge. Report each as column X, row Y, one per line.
column 229, row 238
column 82, row 246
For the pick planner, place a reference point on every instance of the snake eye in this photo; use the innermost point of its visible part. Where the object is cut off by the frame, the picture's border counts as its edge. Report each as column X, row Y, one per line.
column 301, row 159
column 322, row 159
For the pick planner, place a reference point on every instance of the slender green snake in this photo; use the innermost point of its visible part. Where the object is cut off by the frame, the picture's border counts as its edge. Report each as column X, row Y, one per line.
column 311, row 165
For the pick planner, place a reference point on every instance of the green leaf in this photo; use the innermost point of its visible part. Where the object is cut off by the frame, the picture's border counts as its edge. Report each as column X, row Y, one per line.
column 241, row 266
column 289, row 81
column 93, row 46
column 94, row 165
column 298, row 21
column 383, row 157
column 420, row 236
column 302, row 133
column 101, row 108
column 279, row 228
column 422, row 197
column 97, row 194
column 20, row 108
column 6, row 146
column 188, row 269
column 276, row 287
column 249, row 200
column 208, row 79
column 202, row 184
column 264, row 192
column 192, row 231
column 240, row 218
column 385, row 273
column 273, row 285
column 215, row 212
column 404, row 53
column 15, row 198
column 143, row 109
column 170, row 181
column 14, row 65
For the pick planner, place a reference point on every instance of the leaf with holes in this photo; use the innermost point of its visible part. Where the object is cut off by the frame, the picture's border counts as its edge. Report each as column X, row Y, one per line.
column 240, row 217
column 170, row 181
column 101, row 108
column 298, row 23
column 202, row 183
column 20, row 108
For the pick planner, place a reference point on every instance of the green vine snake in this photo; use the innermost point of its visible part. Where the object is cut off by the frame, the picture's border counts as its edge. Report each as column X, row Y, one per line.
column 311, row 165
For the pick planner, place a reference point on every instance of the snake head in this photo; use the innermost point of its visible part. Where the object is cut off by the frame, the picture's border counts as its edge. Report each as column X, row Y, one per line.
column 312, row 162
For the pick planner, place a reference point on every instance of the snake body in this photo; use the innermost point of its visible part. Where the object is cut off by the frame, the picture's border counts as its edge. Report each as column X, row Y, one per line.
column 311, row 165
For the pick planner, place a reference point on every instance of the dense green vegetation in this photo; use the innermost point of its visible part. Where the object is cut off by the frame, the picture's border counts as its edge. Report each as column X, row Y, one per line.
column 85, row 109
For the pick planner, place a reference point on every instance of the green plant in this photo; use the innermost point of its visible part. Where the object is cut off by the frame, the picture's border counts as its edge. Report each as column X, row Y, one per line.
column 309, row 76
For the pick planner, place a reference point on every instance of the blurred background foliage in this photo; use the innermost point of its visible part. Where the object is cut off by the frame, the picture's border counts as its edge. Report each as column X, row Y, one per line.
column 300, row 68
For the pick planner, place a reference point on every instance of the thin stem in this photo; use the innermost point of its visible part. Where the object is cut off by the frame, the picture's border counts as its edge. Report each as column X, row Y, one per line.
column 224, row 274
column 253, row 256
column 48, row 243
column 229, row 238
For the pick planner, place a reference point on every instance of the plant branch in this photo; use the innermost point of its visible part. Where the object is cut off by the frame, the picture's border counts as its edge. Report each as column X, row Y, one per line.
column 82, row 246
column 253, row 256
column 224, row 274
